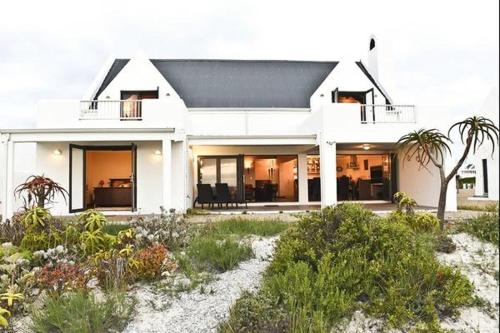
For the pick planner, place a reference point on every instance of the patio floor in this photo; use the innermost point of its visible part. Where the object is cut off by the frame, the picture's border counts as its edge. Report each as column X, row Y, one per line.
column 276, row 208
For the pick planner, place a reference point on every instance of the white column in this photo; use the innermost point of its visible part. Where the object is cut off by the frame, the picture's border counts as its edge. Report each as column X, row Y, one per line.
column 3, row 176
column 9, row 181
column 328, row 172
column 302, row 173
column 167, row 173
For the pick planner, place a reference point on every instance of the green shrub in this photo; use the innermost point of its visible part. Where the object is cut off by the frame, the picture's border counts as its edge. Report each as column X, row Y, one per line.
column 79, row 312
column 419, row 222
column 484, row 227
column 115, row 228
column 92, row 220
column 245, row 227
column 209, row 253
column 346, row 258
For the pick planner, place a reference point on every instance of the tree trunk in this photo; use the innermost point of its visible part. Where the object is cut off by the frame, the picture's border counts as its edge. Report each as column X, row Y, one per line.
column 442, row 204
column 442, row 197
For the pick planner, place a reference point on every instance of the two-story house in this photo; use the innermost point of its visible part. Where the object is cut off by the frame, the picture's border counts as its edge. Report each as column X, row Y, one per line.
column 278, row 133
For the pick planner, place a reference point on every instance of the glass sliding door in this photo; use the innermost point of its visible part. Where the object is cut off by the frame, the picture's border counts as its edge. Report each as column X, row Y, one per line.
column 222, row 169
column 229, row 174
column 207, row 171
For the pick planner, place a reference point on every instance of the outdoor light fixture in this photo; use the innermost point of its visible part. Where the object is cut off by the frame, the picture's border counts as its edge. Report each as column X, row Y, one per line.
column 158, row 152
column 366, row 146
column 58, row 152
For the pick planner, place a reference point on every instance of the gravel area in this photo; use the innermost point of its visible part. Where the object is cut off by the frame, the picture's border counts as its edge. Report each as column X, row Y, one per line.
column 479, row 262
column 200, row 312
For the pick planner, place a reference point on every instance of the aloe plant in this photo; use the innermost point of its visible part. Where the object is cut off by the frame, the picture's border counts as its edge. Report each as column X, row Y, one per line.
column 92, row 220
column 40, row 191
column 4, row 314
column 10, row 297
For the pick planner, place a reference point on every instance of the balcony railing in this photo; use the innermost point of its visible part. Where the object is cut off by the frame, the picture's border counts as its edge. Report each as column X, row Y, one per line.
column 111, row 110
column 372, row 114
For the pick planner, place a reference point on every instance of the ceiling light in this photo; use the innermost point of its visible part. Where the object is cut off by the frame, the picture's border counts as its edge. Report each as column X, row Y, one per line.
column 157, row 152
column 366, row 146
column 58, row 152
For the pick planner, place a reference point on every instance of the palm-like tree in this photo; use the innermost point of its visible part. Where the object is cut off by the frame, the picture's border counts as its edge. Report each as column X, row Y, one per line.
column 431, row 146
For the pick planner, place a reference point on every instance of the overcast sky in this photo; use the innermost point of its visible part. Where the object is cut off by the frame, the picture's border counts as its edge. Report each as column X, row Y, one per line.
column 441, row 53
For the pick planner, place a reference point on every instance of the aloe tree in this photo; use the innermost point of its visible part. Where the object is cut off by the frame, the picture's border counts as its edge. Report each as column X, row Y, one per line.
column 431, row 146
column 39, row 191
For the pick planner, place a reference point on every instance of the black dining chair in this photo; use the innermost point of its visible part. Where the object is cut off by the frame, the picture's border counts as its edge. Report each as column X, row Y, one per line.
column 205, row 195
column 223, row 195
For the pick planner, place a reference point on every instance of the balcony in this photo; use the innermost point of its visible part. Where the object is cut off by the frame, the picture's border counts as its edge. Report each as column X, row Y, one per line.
column 111, row 110
column 148, row 113
column 372, row 114
column 345, row 122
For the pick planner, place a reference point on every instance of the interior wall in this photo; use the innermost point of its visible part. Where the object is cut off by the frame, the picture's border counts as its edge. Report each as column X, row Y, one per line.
column 287, row 176
column 106, row 164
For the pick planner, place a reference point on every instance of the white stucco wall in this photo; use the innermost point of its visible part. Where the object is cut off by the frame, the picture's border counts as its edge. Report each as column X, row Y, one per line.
column 490, row 109
column 423, row 184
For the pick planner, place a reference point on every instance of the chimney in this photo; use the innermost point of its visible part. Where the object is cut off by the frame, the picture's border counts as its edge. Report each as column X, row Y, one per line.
column 372, row 57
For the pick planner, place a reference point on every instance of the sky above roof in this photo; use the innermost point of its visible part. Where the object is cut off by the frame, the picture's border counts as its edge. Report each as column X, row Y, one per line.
column 442, row 54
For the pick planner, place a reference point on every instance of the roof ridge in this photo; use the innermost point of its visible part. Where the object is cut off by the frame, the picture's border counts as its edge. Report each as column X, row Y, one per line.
column 246, row 60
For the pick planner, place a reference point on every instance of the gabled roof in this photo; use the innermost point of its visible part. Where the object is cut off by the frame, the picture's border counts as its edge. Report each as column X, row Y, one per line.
column 239, row 83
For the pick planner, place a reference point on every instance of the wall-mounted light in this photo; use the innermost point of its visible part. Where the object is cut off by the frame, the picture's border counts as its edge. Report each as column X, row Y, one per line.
column 157, row 152
column 366, row 146
column 57, row 152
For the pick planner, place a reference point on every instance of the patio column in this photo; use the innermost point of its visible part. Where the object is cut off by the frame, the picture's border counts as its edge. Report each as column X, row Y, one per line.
column 302, row 181
column 328, row 172
column 167, row 173
column 3, row 176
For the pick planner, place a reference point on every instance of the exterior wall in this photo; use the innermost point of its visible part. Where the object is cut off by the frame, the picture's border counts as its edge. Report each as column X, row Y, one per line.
column 423, row 184
column 492, row 162
column 490, row 110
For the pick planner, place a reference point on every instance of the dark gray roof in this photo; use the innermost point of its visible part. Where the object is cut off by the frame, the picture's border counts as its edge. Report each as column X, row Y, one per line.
column 243, row 83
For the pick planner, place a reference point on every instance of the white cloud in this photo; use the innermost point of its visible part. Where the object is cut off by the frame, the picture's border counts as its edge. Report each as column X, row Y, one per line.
column 441, row 53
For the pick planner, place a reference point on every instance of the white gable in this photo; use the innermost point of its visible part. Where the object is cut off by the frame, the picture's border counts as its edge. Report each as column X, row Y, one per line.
column 138, row 74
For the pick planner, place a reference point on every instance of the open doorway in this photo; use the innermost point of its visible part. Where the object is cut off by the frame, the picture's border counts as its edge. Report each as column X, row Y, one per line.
column 364, row 177
column 271, row 178
column 102, row 177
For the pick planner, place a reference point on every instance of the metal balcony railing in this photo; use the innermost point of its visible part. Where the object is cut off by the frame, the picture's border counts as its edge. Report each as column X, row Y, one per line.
column 111, row 110
column 372, row 114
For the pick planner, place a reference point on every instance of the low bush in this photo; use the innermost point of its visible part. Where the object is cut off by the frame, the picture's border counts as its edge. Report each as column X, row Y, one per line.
column 62, row 277
column 115, row 228
column 346, row 258
column 167, row 228
column 419, row 222
column 484, row 227
column 80, row 312
column 151, row 261
column 246, row 227
column 210, row 253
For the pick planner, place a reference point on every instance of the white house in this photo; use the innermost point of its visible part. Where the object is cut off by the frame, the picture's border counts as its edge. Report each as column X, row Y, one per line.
column 149, row 131
column 485, row 160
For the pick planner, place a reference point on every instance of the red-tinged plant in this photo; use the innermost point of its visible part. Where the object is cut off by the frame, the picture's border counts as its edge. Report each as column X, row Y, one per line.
column 63, row 276
column 151, row 261
column 39, row 191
